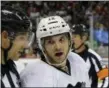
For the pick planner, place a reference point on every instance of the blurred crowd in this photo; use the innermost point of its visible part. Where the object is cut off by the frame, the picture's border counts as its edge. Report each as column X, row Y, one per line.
column 73, row 12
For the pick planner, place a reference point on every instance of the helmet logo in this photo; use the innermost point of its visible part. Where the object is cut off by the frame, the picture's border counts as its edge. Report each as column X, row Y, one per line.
column 6, row 12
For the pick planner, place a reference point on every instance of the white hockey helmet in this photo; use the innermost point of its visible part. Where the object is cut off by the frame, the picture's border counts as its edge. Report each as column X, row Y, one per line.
column 51, row 26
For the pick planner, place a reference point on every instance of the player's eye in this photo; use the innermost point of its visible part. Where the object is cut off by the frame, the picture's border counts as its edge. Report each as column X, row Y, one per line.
column 62, row 39
column 50, row 42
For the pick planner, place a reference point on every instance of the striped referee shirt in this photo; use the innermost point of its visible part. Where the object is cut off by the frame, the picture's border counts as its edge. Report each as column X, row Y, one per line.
column 92, row 60
column 9, row 75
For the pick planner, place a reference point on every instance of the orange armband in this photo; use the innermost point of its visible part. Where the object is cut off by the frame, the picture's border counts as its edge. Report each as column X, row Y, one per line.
column 103, row 73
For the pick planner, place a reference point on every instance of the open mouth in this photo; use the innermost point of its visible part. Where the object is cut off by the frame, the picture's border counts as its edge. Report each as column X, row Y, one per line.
column 59, row 54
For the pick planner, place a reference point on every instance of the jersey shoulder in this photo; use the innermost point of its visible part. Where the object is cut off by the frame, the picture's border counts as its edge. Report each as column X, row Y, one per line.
column 75, row 58
column 36, row 66
column 95, row 54
column 77, row 62
column 78, row 66
column 38, row 74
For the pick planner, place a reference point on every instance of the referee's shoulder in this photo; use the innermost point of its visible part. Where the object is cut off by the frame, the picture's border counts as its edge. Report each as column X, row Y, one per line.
column 95, row 54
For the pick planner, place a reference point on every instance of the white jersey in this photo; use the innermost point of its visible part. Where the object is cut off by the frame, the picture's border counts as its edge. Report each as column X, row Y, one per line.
column 40, row 74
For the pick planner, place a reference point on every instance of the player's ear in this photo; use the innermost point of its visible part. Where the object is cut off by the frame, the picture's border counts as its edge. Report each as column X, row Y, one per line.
column 84, row 37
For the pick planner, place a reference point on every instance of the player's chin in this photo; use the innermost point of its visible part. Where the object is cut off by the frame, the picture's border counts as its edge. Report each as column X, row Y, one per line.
column 61, row 59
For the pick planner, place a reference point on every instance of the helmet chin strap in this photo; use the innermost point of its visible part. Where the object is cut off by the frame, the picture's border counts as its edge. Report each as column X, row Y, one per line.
column 77, row 47
column 6, row 52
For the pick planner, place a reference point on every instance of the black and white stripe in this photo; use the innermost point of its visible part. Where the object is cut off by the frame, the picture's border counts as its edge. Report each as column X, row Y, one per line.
column 92, row 60
column 9, row 75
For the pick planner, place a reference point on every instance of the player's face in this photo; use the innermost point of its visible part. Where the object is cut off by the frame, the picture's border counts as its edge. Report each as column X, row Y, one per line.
column 19, row 43
column 56, row 48
column 77, row 40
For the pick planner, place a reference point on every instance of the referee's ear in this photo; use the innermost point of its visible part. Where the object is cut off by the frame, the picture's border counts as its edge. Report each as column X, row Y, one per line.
column 5, row 42
column 4, row 34
column 85, row 37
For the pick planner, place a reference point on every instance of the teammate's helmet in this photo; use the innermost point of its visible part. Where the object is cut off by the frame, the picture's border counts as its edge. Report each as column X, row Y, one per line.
column 14, row 21
column 51, row 26
column 79, row 29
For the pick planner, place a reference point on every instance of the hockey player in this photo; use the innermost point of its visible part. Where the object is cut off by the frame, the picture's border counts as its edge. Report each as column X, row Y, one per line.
column 79, row 37
column 57, row 69
column 14, row 38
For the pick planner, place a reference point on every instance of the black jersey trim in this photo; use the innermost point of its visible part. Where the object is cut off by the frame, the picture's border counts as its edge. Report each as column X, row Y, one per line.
column 2, row 84
column 96, row 59
column 69, row 68
column 10, row 80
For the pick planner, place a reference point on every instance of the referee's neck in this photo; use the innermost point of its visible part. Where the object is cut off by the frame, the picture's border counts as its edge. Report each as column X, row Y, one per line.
column 81, row 49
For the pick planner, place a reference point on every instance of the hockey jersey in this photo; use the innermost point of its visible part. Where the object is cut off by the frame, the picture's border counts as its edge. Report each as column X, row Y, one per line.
column 41, row 74
column 9, row 75
column 92, row 59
